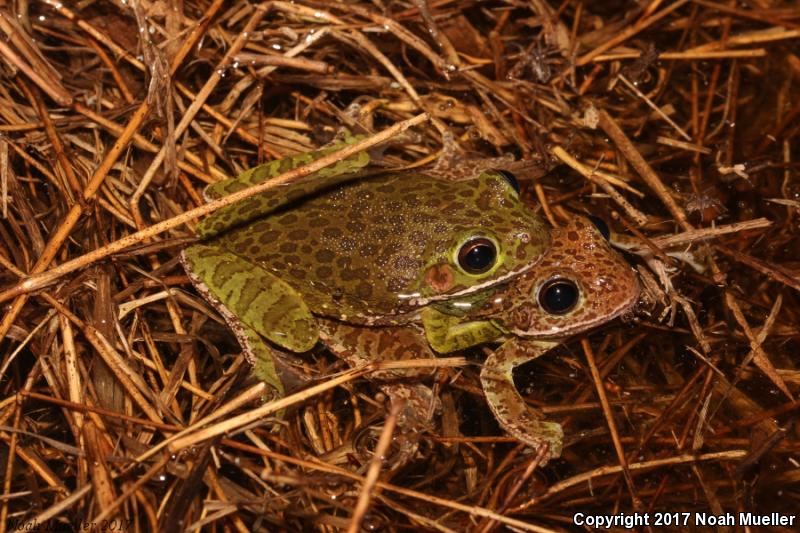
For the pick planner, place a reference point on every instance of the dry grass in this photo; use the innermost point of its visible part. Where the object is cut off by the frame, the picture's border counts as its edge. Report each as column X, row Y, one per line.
column 124, row 402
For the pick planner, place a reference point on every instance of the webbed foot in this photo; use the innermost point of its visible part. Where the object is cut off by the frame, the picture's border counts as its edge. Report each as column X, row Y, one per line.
column 361, row 344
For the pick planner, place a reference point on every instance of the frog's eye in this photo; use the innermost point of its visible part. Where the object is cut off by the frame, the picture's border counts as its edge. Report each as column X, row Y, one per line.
column 601, row 226
column 510, row 178
column 477, row 255
column 558, row 296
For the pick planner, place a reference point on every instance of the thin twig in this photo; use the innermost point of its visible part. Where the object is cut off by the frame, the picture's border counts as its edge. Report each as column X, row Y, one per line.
column 41, row 280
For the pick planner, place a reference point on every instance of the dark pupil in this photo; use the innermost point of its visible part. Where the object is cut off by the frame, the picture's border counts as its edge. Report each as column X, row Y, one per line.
column 601, row 226
column 510, row 178
column 477, row 256
column 559, row 296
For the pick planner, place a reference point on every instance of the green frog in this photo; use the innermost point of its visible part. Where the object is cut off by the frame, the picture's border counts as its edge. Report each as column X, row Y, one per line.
column 580, row 283
column 364, row 248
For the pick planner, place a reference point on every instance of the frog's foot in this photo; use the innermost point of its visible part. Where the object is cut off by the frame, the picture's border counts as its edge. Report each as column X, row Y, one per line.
column 414, row 419
column 361, row 344
column 448, row 333
column 260, row 355
column 419, row 405
column 512, row 412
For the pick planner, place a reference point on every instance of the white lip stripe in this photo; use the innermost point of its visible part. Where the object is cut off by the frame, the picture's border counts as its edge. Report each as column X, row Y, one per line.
column 419, row 302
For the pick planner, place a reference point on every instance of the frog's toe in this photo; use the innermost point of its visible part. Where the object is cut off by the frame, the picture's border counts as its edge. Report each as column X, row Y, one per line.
column 413, row 419
column 401, row 451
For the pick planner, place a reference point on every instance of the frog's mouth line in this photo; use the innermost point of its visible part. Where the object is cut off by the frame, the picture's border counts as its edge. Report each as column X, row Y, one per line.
column 417, row 300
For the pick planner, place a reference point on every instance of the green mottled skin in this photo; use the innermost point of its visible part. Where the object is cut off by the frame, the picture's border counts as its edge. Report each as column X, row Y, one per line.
column 511, row 313
column 369, row 251
column 369, row 266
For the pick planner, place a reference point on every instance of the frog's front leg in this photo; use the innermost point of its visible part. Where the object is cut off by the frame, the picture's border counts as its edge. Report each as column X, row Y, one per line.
column 514, row 414
column 447, row 333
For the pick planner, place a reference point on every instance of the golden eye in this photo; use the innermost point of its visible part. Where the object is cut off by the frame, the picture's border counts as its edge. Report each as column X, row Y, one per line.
column 477, row 255
column 559, row 296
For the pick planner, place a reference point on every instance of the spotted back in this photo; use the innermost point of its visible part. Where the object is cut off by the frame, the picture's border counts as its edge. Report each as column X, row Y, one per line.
column 262, row 205
column 373, row 250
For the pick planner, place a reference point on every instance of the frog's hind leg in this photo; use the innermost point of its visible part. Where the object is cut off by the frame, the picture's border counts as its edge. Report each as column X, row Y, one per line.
column 267, row 202
column 262, row 173
column 252, row 295
column 362, row 344
column 512, row 412
column 260, row 355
